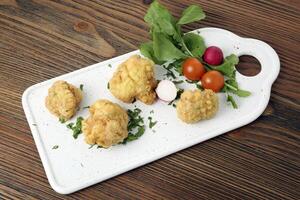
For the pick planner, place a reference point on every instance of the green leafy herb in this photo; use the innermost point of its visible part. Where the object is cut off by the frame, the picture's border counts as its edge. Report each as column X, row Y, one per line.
column 76, row 128
column 228, row 66
column 81, row 87
column 164, row 49
column 232, row 101
column 136, row 126
column 192, row 14
column 55, row 147
column 62, row 120
column 195, row 44
column 109, row 65
column 85, row 107
column 151, row 123
column 108, row 85
column 169, row 47
column 168, row 42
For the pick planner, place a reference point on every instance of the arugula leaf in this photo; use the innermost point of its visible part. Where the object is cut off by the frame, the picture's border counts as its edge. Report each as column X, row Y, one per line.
column 164, row 49
column 191, row 14
column 159, row 17
column 228, row 66
column 195, row 44
column 232, row 86
column 232, row 101
column 147, row 51
column 242, row 93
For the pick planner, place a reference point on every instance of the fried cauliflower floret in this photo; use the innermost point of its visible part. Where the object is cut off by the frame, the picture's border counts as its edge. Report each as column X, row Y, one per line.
column 106, row 125
column 63, row 99
column 134, row 79
column 197, row 105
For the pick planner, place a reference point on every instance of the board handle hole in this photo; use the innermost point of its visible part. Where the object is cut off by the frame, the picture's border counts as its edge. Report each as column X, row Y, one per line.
column 248, row 65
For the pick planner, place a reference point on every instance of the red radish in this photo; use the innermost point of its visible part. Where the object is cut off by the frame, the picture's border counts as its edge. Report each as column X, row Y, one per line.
column 166, row 90
column 213, row 55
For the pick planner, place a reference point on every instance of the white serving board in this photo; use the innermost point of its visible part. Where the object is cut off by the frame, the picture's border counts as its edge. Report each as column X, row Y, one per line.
column 74, row 166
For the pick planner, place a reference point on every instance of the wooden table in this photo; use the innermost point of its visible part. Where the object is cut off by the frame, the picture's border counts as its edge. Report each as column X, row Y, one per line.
column 41, row 39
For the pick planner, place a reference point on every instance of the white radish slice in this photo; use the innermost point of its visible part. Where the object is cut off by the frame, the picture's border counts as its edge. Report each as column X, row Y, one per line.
column 166, row 90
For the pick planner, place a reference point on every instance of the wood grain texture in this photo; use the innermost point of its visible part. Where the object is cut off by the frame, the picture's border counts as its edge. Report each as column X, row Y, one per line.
column 41, row 39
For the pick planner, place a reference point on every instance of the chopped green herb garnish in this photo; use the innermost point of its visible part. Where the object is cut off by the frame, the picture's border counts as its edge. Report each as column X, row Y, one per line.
column 108, row 85
column 81, row 87
column 152, row 111
column 109, row 65
column 76, row 128
column 34, row 124
column 55, row 147
column 178, row 82
column 136, row 126
column 191, row 82
column 62, row 120
column 99, row 147
column 85, row 107
column 199, row 86
column 151, row 123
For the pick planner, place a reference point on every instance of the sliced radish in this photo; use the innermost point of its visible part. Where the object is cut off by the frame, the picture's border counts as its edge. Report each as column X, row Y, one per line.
column 166, row 90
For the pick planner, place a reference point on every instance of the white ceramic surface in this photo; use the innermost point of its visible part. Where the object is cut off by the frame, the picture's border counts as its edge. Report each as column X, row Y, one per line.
column 74, row 166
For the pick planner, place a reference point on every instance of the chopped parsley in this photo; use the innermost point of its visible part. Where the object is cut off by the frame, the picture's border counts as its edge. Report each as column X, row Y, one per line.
column 179, row 92
column 86, row 107
column 151, row 123
column 81, row 87
column 62, row 120
column 55, row 147
column 178, row 82
column 136, row 125
column 109, row 65
column 199, row 86
column 108, row 85
column 76, row 128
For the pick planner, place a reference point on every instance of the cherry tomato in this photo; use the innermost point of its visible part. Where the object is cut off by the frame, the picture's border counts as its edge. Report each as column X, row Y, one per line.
column 193, row 69
column 213, row 80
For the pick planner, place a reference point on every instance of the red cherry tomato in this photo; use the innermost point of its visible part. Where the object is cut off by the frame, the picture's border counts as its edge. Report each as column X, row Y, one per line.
column 213, row 80
column 193, row 69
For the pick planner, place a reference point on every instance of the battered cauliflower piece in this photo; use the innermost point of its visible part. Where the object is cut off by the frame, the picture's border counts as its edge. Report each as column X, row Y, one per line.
column 134, row 79
column 197, row 105
column 63, row 100
column 106, row 125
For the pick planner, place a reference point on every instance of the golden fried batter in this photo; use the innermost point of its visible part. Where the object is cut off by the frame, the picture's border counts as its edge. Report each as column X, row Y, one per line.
column 106, row 125
column 197, row 105
column 134, row 79
column 63, row 99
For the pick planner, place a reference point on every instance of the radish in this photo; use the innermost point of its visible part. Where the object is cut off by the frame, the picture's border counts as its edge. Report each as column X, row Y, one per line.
column 213, row 55
column 166, row 90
